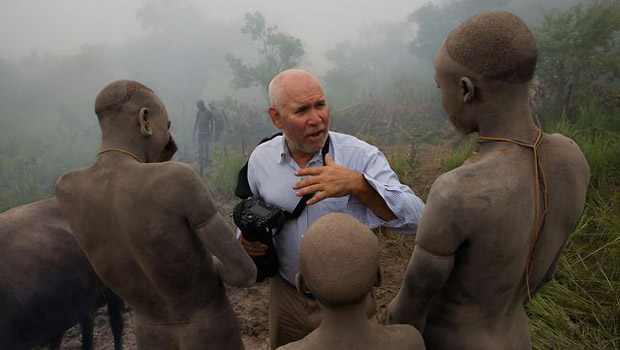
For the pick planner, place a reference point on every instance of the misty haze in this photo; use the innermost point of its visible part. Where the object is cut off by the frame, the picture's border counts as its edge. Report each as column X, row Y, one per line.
column 375, row 61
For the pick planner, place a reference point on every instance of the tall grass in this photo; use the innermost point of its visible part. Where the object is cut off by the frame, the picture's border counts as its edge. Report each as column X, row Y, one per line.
column 460, row 155
column 223, row 177
column 580, row 309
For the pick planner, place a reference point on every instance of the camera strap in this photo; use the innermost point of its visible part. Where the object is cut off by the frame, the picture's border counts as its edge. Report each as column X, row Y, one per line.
column 302, row 202
column 243, row 190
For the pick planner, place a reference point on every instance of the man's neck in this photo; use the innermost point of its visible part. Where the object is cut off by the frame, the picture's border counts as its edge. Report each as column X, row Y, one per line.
column 301, row 158
column 345, row 319
column 125, row 147
column 508, row 118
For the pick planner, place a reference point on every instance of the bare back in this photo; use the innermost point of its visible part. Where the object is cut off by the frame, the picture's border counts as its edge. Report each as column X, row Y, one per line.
column 374, row 337
column 488, row 212
column 134, row 222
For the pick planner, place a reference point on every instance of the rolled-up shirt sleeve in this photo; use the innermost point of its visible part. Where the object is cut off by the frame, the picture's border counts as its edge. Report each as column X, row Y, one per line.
column 401, row 200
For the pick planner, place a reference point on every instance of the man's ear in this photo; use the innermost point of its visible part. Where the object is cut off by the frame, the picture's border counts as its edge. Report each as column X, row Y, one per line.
column 144, row 116
column 275, row 116
column 468, row 91
column 300, row 284
column 379, row 277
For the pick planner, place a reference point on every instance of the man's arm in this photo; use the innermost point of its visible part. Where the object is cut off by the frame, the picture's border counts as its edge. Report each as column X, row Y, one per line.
column 334, row 180
column 231, row 262
column 426, row 274
column 233, row 265
column 438, row 239
column 377, row 187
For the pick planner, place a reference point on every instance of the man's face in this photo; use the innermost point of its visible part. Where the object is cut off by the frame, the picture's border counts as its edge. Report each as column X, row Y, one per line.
column 448, row 80
column 303, row 115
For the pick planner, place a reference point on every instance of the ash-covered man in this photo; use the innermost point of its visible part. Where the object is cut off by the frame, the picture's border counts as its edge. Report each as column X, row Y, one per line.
column 355, row 179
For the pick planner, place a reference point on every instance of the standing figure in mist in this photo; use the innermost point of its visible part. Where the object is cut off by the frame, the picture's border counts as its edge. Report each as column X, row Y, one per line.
column 494, row 228
column 205, row 128
column 221, row 122
column 151, row 229
column 339, row 266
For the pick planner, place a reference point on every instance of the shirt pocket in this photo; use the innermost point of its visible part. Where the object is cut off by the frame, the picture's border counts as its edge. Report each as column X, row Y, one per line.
column 335, row 205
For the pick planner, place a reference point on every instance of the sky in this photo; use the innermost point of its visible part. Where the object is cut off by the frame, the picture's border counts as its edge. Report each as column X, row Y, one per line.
column 63, row 26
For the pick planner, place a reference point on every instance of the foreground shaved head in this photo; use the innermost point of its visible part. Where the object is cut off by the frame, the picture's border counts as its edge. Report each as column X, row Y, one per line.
column 277, row 94
column 496, row 45
column 339, row 260
column 116, row 94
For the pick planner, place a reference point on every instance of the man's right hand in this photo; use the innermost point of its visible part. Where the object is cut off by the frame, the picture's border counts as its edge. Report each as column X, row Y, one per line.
column 253, row 248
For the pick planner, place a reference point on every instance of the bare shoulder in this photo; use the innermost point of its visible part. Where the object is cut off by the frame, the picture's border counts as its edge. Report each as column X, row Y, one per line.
column 182, row 190
column 459, row 186
column 175, row 174
column 296, row 345
column 456, row 198
column 68, row 181
column 407, row 336
column 563, row 152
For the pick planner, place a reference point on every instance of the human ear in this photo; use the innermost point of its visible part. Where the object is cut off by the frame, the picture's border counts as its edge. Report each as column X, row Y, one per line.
column 275, row 116
column 300, row 285
column 143, row 120
column 467, row 89
column 379, row 277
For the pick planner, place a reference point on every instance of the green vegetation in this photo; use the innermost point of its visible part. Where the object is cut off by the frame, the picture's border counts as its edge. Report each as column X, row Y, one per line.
column 223, row 177
column 580, row 309
column 278, row 51
column 460, row 155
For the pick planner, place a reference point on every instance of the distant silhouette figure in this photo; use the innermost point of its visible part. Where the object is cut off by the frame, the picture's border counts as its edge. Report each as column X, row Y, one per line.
column 205, row 127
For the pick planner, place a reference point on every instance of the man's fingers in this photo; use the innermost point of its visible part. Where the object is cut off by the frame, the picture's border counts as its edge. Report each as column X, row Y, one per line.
column 328, row 159
column 309, row 189
column 311, row 170
column 319, row 196
column 306, row 182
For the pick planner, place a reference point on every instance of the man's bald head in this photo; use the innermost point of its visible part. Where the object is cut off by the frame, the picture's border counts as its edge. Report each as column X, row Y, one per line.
column 497, row 45
column 278, row 85
column 114, row 96
column 339, row 260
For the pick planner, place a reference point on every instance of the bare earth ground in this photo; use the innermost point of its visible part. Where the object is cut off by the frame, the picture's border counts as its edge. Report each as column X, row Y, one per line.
column 251, row 304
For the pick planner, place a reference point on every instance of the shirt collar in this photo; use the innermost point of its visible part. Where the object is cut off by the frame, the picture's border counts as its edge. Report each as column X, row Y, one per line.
column 285, row 154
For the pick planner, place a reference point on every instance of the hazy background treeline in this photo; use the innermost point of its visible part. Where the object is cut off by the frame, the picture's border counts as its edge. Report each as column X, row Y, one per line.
column 379, row 82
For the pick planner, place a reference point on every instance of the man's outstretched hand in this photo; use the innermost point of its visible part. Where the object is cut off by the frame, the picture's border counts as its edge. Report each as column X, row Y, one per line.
column 329, row 181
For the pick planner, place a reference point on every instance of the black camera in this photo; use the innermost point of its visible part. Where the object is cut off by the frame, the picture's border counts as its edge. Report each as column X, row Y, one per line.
column 259, row 221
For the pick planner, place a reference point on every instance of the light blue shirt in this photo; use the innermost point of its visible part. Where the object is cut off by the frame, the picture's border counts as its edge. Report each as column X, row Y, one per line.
column 271, row 176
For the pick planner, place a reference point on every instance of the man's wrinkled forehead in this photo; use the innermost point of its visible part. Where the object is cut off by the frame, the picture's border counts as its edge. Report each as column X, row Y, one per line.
column 302, row 87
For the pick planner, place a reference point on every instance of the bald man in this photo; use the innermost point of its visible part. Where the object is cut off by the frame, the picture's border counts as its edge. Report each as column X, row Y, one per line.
column 339, row 266
column 354, row 178
column 494, row 228
column 151, row 229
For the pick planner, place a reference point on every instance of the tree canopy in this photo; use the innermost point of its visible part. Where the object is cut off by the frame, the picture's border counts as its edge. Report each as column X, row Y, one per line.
column 277, row 51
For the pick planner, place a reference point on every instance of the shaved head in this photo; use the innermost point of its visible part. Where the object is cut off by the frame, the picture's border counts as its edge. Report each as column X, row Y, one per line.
column 116, row 94
column 497, row 45
column 277, row 91
column 339, row 260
